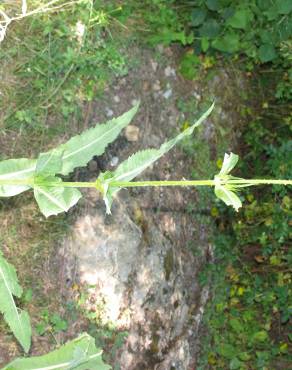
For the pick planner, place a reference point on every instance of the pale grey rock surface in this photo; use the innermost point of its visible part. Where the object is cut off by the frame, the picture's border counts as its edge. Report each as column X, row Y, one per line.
column 142, row 283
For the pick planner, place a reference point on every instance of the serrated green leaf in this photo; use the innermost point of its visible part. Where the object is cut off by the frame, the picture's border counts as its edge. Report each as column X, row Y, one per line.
column 213, row 4
column 236, row 325
column 15, row 169
column 260, row 336
column 229, row 43
column 235, row 364
column 244, row 356
column 229, row 162
column 77, row 152
column 139, row 161
column 79, row 354
column 198, row 16
column 210, row 28
column 271, row 13
column 205, row 44
column 265, row 4
column 240, row 19
column 17, row 319
column 267, row 52
column 53, row 200
column 49, row 163
column 80, row 149
column 284, row 6
column 227, row 350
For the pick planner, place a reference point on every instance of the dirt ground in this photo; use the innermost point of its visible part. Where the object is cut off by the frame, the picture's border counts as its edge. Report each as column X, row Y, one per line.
column 157, row 83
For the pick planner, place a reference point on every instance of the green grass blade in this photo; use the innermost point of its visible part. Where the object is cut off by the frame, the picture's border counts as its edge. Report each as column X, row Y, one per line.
column 79, row 354
column 17, row 319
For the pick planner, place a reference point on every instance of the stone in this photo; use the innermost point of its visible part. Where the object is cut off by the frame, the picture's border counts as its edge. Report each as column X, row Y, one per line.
column 156, row 86
column 145, row 86
column 167, row 94
column 114, row 161
column 106, row 255
column 132, row 133
column 169, row 72
column 154, row 65
column 134, row 102
column 117, row 99
column 138, row 283
column 109, row 113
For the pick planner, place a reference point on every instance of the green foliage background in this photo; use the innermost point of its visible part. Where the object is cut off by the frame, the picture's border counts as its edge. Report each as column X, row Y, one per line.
column 249, row 315
column 55, row 76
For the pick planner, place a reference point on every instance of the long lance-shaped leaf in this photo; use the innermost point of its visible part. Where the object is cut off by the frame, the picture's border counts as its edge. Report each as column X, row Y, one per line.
column 15, row 169
column 79, row 354
column 139, row 161
column 79, row 150
column 49, row 163
column 17, row 319
column 53, row 200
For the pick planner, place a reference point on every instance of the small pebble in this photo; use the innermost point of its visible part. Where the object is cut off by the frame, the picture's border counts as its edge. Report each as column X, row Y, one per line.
column 134, row 102
column 132, row 133
column 196, row 95
column 156, row 86
column 167, row 94
column 114, row 161
column 109, row 112
column 117, row 99
column 169, row 72
column 154, row 65
column 146, row 85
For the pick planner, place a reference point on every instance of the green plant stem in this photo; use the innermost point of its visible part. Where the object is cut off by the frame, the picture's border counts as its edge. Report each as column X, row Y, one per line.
column 131, row 184
column 259, row 182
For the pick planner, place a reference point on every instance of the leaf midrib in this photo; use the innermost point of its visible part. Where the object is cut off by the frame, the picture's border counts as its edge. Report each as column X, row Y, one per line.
column 16, row 173
column 93, row 142
column 51, row 198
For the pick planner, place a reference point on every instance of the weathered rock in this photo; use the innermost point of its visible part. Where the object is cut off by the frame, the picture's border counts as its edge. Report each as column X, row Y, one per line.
column 167, row 94
column 140, row 282
column 169, row 72
column 132, row 133
column 109, row 112
column 106, row 254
